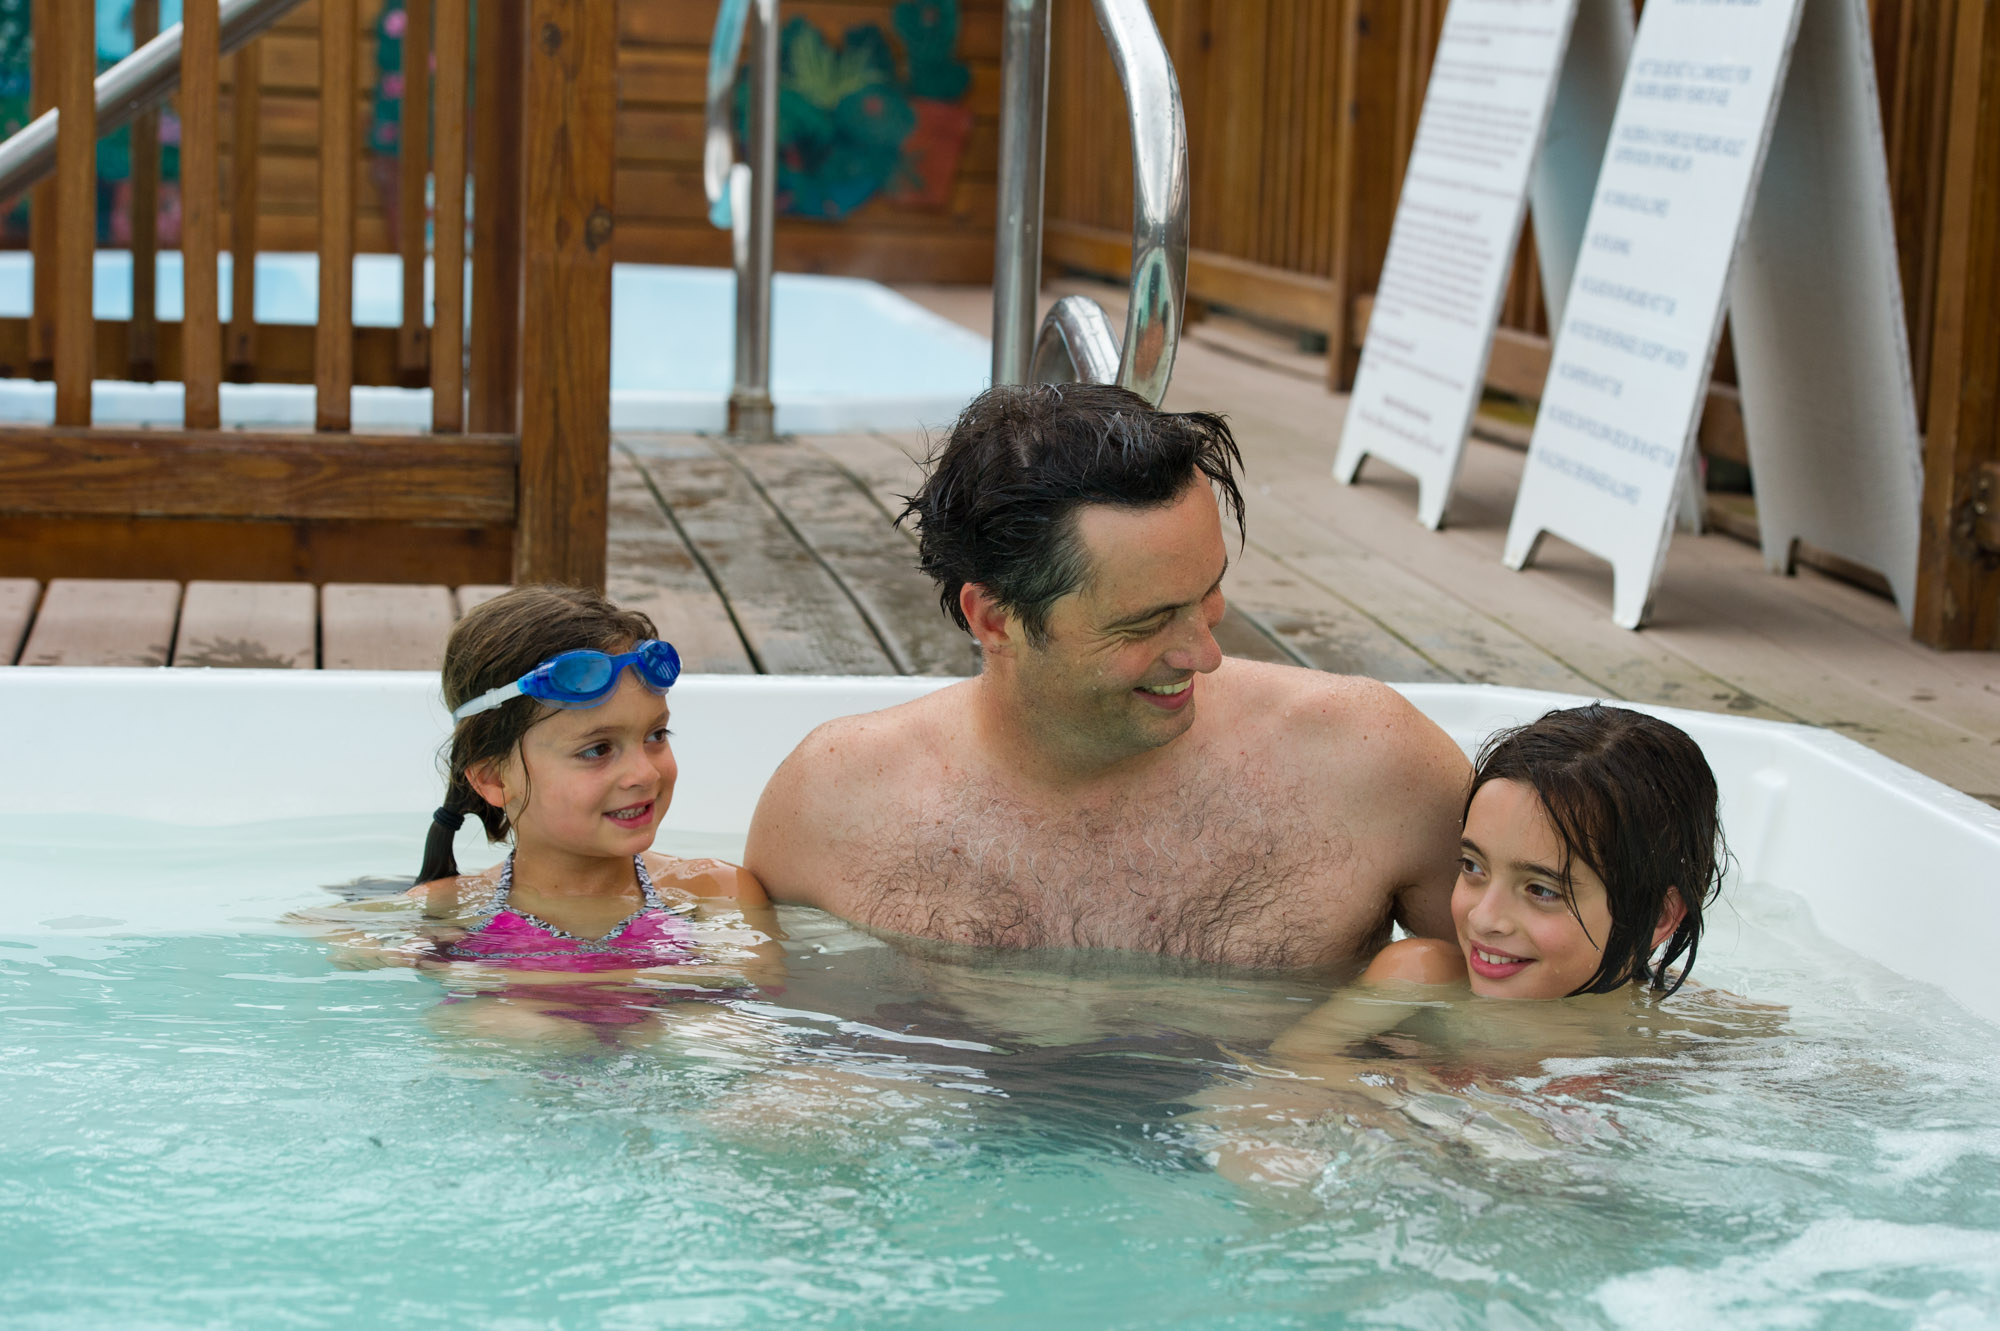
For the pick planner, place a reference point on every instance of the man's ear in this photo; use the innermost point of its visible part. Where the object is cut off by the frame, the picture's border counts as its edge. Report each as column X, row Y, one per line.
column 1672, row 911
column 487, row 782
column 992, row 627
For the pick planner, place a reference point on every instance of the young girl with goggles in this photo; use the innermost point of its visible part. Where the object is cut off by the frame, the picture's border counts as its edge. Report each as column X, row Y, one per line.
column 560, row 745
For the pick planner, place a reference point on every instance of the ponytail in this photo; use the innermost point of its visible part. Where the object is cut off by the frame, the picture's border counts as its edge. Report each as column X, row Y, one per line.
column 440, row 860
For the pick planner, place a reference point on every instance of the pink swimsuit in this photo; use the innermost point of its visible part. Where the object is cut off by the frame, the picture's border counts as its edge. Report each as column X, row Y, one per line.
column 654, row 935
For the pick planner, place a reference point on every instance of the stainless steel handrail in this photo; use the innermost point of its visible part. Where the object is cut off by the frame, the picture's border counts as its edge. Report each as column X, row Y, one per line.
column 743, row 197
column 1145, row 356
column 1076, row 345
column 1017, row 240
column 129, row 88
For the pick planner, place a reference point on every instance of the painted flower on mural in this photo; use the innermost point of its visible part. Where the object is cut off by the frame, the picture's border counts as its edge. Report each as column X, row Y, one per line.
column 854, row 121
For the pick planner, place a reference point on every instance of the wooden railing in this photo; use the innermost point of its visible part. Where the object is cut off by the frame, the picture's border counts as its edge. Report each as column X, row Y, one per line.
column 509, row 481
column 1301, row 114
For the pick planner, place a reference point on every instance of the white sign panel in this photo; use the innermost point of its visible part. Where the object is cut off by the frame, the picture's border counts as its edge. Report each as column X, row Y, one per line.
column 1630, row 366
column 1486, row 110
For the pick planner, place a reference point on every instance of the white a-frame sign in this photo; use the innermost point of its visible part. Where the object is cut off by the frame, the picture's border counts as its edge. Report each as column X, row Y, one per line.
column 1822, row 353
column 1486, row 128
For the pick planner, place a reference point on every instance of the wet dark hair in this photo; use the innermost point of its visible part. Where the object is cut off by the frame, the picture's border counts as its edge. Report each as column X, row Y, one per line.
column 495, row 644
column 998, row 508
column 1632, row 797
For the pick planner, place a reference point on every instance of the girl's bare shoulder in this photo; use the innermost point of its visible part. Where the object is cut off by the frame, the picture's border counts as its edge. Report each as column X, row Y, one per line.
column 1417, row 961
column 458, row 895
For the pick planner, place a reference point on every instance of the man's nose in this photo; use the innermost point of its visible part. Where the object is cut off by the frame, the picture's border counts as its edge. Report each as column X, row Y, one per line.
column 1198, row 651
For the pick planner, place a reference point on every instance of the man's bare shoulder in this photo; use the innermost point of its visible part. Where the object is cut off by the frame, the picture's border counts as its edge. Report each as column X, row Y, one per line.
column 1363, row 718
column 840, row 788
column 872, row 746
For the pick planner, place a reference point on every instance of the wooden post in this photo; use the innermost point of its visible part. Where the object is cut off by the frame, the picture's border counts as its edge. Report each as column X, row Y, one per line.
column 1958, row 564
column 1369, row 165
column 142, row 340
column 201, row 327
column 495, row 362
column 44, row 80
column 413, row 164
column 571, row 109
column 243, row 204
column 448, row 322
column 333, row 343
column 75, row 210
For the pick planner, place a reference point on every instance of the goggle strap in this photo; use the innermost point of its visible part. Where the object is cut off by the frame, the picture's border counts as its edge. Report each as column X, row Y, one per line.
column 487, row 701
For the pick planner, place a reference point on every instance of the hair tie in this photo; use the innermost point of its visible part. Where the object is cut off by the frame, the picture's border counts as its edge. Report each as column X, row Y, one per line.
column 447, row 818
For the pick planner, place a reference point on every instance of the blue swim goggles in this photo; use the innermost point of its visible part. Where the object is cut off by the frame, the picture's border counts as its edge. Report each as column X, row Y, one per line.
column 583, row 679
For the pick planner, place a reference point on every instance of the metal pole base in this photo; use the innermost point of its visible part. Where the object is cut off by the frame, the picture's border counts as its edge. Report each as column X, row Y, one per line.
column 752, row 418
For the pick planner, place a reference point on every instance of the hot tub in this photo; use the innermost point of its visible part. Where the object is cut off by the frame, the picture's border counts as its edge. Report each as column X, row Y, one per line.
column 847, row 354
column 208, row 1122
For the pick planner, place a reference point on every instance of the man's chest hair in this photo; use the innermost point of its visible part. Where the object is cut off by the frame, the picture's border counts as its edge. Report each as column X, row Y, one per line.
column 1218, row 866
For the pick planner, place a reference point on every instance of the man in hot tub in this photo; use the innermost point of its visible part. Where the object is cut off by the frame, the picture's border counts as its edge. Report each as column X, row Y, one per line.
column 1110, row 779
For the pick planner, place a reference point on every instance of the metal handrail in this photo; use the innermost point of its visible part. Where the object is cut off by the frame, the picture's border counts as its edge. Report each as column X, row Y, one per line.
column 1076, row 345
column 133, row 86
column 1145, row 356
column 742, row 197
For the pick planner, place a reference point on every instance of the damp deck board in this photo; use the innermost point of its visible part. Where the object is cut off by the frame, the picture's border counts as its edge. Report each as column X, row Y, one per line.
column 248, row 625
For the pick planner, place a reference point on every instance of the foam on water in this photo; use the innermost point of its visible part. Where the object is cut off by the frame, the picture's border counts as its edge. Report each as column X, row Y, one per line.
column 207, row 1121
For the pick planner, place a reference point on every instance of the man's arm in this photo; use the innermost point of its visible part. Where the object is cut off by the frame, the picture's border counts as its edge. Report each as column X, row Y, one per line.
column 787, row 822
column 1437, row 778
column 1418, row 778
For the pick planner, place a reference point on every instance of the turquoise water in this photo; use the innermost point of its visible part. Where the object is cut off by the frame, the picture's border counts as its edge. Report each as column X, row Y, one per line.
column 211, row 1124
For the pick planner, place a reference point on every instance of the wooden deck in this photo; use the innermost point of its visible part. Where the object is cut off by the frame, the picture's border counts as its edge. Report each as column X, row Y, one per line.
column 781, row 559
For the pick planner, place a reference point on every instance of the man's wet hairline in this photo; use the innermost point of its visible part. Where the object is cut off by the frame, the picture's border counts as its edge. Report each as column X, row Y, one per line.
column 1071, row 545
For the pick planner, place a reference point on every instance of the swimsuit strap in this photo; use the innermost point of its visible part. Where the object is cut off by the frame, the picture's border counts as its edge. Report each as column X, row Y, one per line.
column 646, row 888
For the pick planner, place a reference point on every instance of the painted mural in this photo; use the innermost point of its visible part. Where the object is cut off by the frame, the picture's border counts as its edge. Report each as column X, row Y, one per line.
column 874, row 115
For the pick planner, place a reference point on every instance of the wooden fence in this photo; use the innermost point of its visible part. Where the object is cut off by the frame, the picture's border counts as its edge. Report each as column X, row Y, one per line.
column 510, row 480
column 1301, row 114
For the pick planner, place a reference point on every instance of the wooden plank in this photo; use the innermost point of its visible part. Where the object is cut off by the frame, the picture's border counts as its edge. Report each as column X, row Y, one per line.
column 88, row 622
column 201, row 328
column 882, row 465
column 333, row 346
column 447, row 350
column 248, row 625
column 413, row 163
column 17, row 610
column 243, row 181
column 1318, row 627
column 467, row 480
column 237, row 548
column 142, row 358
column 1958, row 582
column 470, row 597
column 494, row 365
column 839, row 523
column 794, row 616
column 377, row 626
column 1245, row 634
column 571, row 115
column 45, row 79
column 75, row 210
column 650, row 568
